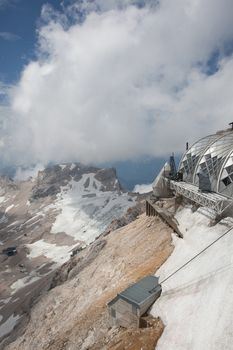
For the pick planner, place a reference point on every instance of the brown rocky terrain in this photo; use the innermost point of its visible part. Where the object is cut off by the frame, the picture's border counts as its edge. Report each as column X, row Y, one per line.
column 73, row 314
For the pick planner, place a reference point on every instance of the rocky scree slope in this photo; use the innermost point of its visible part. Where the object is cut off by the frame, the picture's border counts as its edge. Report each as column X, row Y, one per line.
column 64, row 209
column 73, row 315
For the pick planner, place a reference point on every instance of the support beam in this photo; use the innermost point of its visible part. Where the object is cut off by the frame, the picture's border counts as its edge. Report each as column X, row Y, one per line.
column 211, row 200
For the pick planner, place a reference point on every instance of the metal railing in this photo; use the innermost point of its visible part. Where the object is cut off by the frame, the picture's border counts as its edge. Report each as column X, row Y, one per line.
column 210, row 200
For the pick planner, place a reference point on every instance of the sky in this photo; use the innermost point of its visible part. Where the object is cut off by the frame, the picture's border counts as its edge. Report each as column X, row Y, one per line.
column 111, row 81
column 18, row 31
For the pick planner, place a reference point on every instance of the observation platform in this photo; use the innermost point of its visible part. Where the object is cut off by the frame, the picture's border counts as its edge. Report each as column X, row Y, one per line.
column 210, row 200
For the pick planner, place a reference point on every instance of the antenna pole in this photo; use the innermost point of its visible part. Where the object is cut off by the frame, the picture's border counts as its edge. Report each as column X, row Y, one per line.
column 231, row 125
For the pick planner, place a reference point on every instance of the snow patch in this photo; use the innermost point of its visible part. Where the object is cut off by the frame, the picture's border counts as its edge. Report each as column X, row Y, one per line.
column 73, row 165
column 2, row 198
column 22, row 282
column 3, row 219
column 5, row 301
column 9, row 208
column 9, row 325
column 63, row 166
column 58, row 254
column 17, row 222
column 144, row 188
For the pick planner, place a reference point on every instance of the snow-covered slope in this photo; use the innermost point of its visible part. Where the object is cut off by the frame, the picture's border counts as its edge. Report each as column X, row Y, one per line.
column 86, row 210
column 196, row 303
column 86, row 200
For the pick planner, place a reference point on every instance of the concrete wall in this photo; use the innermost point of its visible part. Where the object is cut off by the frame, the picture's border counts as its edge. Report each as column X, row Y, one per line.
column 148, row 302
column 124, row 314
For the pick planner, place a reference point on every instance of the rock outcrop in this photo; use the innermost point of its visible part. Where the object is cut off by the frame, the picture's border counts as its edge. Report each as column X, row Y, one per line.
column 50, row 180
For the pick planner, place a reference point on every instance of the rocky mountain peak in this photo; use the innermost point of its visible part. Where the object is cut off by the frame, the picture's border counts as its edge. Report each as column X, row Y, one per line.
column 50, row 180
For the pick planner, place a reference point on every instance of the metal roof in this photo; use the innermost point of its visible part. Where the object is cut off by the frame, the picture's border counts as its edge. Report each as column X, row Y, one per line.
column 213, row 156
column 140, row 291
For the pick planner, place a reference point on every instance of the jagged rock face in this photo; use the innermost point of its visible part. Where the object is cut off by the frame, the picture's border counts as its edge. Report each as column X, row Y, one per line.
column 74, row 266
column 50, row 180
column 6, row 185
column 108, row 178
column 131, row 214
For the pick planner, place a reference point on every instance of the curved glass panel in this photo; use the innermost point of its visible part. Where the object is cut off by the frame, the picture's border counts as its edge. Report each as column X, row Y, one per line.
column 191, row 157
column 213, row 159
column 225, row 186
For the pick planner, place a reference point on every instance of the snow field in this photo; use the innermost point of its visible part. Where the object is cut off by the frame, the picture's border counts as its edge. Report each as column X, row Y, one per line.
column 196, row 303
column 85, row 212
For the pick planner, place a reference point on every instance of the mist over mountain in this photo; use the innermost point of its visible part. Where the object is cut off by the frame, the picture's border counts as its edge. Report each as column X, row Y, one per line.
column 130, row 173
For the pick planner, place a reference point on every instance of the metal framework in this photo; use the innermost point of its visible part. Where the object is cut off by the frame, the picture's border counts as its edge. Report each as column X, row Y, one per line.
column 213, row 157
column 211, row 200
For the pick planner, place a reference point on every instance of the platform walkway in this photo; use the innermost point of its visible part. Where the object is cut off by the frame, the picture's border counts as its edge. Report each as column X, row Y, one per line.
column 210, row 200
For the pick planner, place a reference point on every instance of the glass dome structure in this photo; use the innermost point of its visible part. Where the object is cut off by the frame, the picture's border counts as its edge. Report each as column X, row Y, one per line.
column 213, row 157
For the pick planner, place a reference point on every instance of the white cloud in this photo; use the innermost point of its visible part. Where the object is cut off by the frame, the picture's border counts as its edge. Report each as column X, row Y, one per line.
column 26, row 173
column 9, row 36
column 6, row 3
column 123, row 82
column 4, row 89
